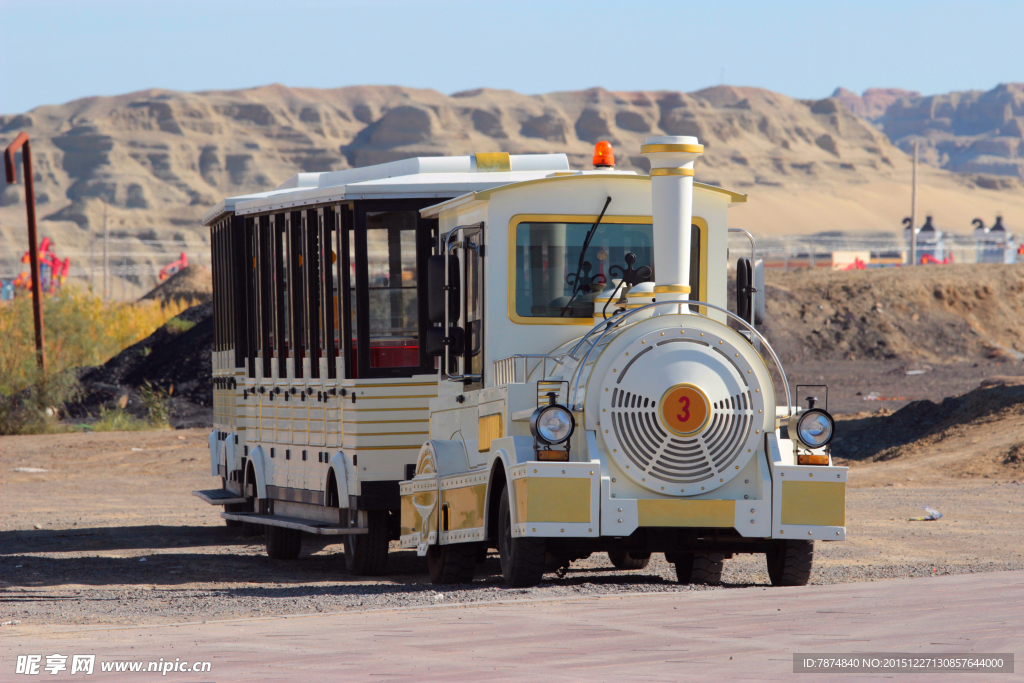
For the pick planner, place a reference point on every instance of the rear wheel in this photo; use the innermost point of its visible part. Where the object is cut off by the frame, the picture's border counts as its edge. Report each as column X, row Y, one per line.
column 367, row 554
column 623, row 559
column 252, row 504
column 789, row 562
column 522, row 559
column 236, row 507
column 282, row 543
column 452, row 563
column 703, row 568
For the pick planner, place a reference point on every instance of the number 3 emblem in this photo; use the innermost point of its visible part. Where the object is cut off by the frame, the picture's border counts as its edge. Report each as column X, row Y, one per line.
column 685, row 409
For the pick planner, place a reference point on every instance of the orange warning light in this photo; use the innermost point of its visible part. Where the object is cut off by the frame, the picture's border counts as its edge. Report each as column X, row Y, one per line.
column 604, row 157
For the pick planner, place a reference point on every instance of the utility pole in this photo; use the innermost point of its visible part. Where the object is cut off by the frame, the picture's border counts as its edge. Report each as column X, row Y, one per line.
column 913, row 211
column 106, row 256
column 21, row 142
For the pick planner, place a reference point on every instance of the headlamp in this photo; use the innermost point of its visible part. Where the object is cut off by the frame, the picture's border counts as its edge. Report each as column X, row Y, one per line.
column 552, row 424
column 813, row 428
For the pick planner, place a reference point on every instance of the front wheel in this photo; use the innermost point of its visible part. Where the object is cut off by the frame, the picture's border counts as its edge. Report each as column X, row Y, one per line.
column 522, row 559
column 453, row 563
column 367, row 554
column 789, row 562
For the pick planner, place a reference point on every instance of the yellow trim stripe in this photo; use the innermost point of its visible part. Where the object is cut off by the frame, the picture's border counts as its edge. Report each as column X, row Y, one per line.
column 380, row 410
column 402, row 384
column 690, row 149
column 391, row 398
column 678, row 289
column 655, row 172
column 381, row 422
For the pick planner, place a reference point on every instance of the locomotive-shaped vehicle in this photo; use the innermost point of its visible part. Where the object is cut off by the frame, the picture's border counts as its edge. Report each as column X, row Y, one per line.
column 499, row 352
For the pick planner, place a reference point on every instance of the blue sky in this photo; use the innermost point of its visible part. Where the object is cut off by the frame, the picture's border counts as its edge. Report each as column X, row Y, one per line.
column 59, row 50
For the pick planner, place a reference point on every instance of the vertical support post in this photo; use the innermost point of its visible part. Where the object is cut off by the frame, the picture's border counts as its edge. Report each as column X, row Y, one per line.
column 33, row 241
column 913, row 211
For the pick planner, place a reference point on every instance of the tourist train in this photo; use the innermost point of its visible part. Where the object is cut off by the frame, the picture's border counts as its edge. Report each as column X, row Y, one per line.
column 495, row 351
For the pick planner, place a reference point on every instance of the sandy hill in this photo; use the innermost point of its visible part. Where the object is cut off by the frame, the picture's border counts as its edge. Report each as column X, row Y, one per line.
column 158, row 158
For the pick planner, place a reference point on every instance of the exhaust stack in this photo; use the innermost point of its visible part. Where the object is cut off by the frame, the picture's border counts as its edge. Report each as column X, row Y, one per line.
column 672, row 160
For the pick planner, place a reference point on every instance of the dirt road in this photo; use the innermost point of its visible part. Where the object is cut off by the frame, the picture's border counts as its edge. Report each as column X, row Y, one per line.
column 109, row 534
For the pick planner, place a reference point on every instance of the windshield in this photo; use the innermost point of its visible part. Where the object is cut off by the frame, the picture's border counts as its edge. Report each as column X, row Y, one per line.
column 548, row 255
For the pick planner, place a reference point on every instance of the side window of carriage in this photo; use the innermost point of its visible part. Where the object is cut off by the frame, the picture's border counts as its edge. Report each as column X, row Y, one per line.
column 389, row 249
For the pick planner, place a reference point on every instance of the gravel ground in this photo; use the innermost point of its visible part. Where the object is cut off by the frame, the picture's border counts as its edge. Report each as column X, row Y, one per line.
column 108, row 534
column 156, row 603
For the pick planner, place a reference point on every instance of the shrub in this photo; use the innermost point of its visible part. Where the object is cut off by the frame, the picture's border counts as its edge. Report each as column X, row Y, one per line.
column 117, row 419
column 81, row 330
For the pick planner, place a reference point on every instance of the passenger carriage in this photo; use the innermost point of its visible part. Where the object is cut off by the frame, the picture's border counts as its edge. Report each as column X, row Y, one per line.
column 545, row 358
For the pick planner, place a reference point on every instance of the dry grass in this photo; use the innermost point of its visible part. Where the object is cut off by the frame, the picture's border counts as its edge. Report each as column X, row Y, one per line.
column 80, row 330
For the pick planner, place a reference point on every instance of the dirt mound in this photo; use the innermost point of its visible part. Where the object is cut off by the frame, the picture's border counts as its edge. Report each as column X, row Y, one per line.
column 937, row 314
column 193, row 283
column 175, row 358
column 984, row 422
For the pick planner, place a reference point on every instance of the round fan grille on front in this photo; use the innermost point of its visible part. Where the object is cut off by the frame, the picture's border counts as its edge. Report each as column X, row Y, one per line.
column 642, row 442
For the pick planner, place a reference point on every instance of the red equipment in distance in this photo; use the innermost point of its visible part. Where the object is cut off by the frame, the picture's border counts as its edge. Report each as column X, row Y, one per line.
column 58, row 268
column 172, row 268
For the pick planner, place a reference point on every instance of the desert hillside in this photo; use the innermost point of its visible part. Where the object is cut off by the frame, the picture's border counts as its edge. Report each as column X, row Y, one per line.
column 973, row 132
column 158, row 158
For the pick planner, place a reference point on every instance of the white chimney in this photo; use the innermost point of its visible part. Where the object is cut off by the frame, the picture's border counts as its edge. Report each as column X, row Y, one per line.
column 672, row 160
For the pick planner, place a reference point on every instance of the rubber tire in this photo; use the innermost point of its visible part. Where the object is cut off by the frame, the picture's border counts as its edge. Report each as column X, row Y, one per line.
column 367, row 554
column 522, row 559
column 454, row 563
column 282, row 543
column 624, row 559
column 703, row 568
column 236, row 507
column 790, row 562
column 249, row 529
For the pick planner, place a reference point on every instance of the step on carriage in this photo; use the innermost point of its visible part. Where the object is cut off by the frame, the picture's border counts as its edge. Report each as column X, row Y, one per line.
column 497, row 352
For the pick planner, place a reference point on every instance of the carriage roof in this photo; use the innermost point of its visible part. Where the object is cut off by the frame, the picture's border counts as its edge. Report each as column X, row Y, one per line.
column 418, row 177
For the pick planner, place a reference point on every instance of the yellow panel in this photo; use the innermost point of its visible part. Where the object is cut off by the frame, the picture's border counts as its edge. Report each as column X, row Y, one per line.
column 414, row 506
column 489, row 428
column 465, row 506
column 817, row 503
column 686, row 513
column 520, row 492
column 552, row 499
column 488, row 162
column 410, row 518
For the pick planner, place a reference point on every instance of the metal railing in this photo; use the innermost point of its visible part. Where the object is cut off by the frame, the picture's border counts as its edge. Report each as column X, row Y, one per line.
column 506, row 370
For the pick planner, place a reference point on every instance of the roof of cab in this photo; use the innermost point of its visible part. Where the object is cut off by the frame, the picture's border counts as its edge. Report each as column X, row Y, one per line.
column 425, row 177
column 483, row 195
